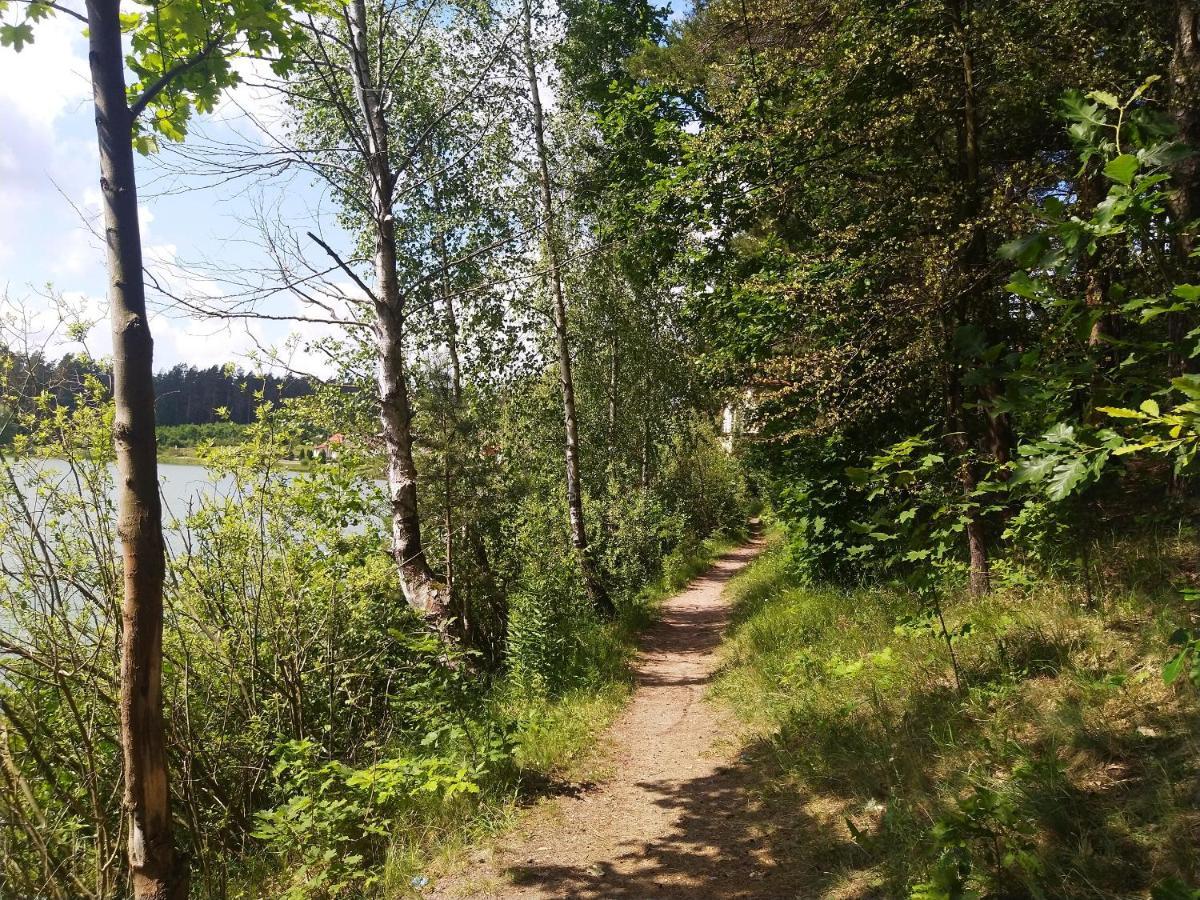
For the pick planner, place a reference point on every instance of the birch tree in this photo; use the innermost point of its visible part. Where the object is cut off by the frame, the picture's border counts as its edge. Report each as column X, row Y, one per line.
column 552, row 254
column 391, row 105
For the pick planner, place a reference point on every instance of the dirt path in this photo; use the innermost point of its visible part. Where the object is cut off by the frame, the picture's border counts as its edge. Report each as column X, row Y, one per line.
column 680, row 816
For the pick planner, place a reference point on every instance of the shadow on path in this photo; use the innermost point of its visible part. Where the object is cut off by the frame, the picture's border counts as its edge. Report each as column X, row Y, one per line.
column 724, row 838
column 727, row 842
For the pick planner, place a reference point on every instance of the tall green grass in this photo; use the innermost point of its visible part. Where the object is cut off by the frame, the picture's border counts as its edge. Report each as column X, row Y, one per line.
column 1064, row 767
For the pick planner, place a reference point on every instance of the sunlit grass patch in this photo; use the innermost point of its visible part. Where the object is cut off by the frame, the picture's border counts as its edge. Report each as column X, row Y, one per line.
column 1063, row 766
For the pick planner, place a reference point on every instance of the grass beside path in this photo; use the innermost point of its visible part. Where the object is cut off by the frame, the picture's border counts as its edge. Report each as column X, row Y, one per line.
column 555, row 742
column 1064, row 768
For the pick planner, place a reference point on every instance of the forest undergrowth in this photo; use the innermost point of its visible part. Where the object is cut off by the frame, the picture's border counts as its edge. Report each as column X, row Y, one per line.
column 1038, row 753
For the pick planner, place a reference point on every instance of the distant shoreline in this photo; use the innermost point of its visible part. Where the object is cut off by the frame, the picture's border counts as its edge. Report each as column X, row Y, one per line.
column 186, row 456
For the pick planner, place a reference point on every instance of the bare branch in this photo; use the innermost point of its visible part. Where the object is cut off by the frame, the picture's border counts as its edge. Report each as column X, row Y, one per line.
column 345, row 268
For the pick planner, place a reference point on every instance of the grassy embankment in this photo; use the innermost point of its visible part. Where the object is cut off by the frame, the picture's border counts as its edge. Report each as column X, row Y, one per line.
column 1063, row 767
column 554, row 739
column 180, row 445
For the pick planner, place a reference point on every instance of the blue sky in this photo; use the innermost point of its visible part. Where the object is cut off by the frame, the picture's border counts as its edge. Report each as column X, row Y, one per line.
column 49, row 209
column 50, row 202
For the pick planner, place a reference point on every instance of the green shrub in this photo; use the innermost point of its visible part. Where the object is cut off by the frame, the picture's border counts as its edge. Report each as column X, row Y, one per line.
column 334, row 822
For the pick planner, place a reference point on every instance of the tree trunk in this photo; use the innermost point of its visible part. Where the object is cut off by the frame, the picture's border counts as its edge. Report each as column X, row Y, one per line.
column 157, row 872
column 969, row 308
column 452, row 339
column 448, row 510
column 968, row 478
column 644, row 479
column 613, row 373
column 421, row 588
column 592, row 582
column 1184, row 202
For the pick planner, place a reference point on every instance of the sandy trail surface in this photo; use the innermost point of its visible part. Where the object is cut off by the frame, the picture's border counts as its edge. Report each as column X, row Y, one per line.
column 680, row 815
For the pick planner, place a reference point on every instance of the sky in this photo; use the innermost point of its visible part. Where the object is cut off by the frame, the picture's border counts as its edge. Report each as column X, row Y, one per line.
column 50, row 209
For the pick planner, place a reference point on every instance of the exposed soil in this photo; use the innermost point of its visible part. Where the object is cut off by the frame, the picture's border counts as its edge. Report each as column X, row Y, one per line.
column 682, row 814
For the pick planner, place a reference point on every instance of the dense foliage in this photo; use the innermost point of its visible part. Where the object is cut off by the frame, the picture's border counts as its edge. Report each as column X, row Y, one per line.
column 920, row 277
column 944, row 252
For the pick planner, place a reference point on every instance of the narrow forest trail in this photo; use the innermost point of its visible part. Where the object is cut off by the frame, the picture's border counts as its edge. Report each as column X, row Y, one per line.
column 680, row 815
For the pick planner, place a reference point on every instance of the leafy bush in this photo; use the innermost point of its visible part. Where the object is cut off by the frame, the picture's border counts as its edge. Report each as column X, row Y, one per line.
column 334, row 822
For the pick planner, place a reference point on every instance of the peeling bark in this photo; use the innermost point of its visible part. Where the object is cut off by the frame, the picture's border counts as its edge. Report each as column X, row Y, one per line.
column 422, row 590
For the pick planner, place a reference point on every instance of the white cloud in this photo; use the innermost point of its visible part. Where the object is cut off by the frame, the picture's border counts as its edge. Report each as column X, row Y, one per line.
column 42, row 88
column 47, row 78
column 51, row 207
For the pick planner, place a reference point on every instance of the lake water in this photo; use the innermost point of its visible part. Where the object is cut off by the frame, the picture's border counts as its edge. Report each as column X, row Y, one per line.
column 181, row 484
column 181, row 487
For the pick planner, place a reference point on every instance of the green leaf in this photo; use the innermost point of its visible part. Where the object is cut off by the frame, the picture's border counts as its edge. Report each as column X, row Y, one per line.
column 1174, row 667
column 1122, row 169
column 1150, row 408
column 1145, row 85
column 1187, row 384
column 16, row 36
column 1129, row 449
column 1026, row 251
column 1061, row 433
column 1107, row 99
column 1034, row 470
column 1067, row 476
column 1021, row 284
column 1118, row 412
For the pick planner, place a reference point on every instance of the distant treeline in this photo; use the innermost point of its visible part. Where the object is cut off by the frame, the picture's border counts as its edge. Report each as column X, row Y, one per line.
column 185, row 395
column 222, row 434
column 190, row 396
